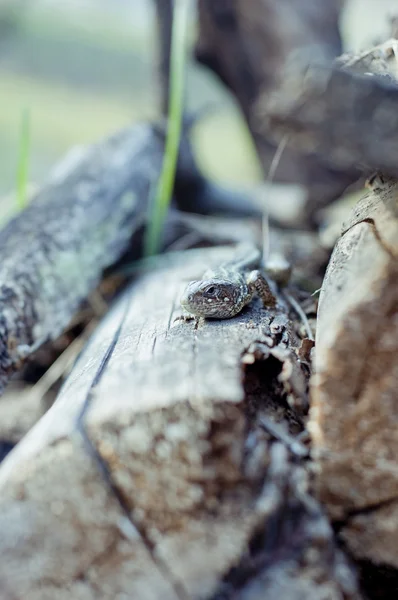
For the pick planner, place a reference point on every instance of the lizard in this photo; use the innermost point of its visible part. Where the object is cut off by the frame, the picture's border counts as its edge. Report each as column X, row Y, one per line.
column 225, row 290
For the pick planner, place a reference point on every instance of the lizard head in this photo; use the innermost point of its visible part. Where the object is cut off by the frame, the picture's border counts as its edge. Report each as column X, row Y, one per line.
column 213, row 298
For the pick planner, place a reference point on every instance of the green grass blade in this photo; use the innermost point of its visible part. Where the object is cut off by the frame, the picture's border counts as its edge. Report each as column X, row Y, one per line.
column 23, row 160
column 164, row 190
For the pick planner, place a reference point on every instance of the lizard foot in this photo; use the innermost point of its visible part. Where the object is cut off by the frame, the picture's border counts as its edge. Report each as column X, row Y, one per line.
column 185, row 317
column 259, row 285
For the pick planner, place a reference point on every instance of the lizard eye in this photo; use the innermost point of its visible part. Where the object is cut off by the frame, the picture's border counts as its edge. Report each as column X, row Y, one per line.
column 210, row 290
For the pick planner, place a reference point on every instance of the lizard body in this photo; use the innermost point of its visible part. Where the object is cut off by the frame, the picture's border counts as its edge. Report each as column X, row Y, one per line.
column 224, row 291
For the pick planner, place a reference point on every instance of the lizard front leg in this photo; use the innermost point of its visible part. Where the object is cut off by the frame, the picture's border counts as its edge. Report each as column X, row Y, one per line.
column 257, row 283
column 185, row 317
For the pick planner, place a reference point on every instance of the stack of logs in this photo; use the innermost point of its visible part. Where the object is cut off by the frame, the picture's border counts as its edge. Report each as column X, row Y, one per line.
column 225, row 459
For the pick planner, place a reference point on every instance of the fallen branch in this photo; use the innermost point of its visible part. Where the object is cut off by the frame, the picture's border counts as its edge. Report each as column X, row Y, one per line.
column 80, row 222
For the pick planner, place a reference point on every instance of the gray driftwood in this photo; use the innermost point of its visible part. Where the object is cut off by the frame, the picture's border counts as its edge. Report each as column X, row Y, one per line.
column 151, row 476
column 354, row 393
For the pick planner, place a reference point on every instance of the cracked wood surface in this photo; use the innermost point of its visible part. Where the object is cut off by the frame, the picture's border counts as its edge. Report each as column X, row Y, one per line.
column 354, row 393
column 150, row 476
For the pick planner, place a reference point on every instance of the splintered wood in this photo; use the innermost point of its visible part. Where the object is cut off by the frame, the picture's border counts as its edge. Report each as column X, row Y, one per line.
column 151, row 477
column 354, row 415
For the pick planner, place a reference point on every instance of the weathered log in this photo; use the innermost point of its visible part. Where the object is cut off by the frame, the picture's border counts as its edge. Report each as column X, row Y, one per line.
column 79, row 223
column 320, row 114
column 21, row 405
column 354, row 393
column 181, row 493
column 249, row 44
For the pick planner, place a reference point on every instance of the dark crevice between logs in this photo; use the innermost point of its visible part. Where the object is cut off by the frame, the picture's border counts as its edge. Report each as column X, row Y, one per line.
column 5, row 448
column 380, row 582
column 266, row 396
column 377, row 582
column 281, row 537
column 295, row 525
column 280, row 540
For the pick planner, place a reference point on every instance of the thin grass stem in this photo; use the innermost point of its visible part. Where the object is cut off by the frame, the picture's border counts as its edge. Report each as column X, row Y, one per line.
column 164, row 189
column 23, row 161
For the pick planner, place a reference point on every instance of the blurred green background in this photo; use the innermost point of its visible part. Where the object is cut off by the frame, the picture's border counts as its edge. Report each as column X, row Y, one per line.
column 85, row 68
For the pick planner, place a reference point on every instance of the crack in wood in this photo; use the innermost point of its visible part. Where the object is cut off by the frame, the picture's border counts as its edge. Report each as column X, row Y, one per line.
column 103, row 466
column 376, row 233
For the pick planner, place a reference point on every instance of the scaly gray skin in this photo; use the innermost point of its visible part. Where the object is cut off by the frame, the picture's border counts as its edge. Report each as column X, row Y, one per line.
column 224, row 291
